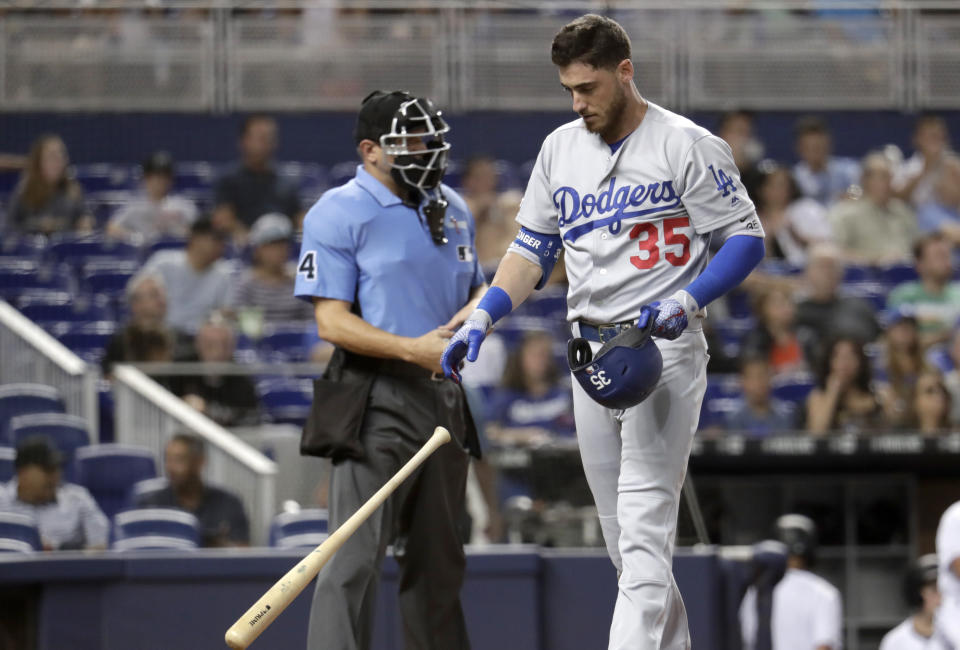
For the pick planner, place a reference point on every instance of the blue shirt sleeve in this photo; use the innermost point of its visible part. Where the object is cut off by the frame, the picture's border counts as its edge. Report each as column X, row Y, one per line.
column 327, row 267
column 738, row 256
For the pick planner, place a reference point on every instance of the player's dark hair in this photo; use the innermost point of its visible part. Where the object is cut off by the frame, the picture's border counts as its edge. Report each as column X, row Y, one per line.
column 863, row 378
column 591, row 39
column 920, row 245
column 513, row 375
column 810, row 125
column 253, row 118
column 193, row 442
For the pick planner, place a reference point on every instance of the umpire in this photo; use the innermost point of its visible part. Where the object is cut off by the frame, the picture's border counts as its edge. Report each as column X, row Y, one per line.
column 388, row 260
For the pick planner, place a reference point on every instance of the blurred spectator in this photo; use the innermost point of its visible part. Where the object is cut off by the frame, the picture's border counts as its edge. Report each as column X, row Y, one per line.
column 934, row 298
column 952, row 378
column 916, row 176
column 47, row 200
column 942, row 212
column 820, row 175
column 877, row 228
column 736, row 129
column 222, row 519
column 230, row 400
column 824, row 313
column 843, row 399
column 144, row 337
column 930, row 406
column 776, row 336
column 901, row 363
column 66, row 514
column 533, row 405
column 252, row 187
column 492, row 211
column 760, row 414
column 265, row 291
column 156, row 213
column 923, row 598
column 197, row 280
column 790, row 221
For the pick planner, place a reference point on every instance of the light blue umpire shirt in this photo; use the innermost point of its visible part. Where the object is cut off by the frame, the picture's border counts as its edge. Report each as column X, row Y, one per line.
column 362, row 244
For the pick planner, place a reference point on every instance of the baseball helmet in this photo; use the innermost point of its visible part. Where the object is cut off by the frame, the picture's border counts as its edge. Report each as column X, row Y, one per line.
column 623, row 372
column 799, row 533
column 922, row 572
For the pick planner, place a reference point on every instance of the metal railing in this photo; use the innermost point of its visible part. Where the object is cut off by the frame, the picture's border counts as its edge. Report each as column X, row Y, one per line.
column 29, row 354
column 147, row 414
column 325, row 55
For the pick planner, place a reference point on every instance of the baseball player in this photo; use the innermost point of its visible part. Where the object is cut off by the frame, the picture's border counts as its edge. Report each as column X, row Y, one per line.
column 921, row 593
column 807, row 611
column 948, row 551
column 633, row 194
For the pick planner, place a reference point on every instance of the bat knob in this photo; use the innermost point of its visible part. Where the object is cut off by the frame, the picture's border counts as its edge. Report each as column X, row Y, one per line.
column 441, row 434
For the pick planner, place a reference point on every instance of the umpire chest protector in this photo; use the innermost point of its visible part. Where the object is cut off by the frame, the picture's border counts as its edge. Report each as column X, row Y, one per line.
column 624, row 371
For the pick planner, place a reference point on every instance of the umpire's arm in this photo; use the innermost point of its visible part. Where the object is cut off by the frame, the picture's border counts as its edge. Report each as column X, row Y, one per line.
column 338, row 325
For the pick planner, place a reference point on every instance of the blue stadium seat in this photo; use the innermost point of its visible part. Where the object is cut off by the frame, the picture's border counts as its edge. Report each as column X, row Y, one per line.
column 7, row 456
column 21, row 527
column 100, row 177
column 793, row 388
column 88, row 340
column 549, row 302
column 285, row 343
column 162, row 244
column 15, row 546
column 164, row 522
column 299, row 529
column 856, row 273
column 110, row 471
column 873, row 292
column 15, row 247
column 286, row 400
column 195, row 176
column 309, row 177
column 898, row 273
column 46, row 307
column 108, row 277
column 23, row 399
column 67, row 432
column 20, row 277
column 75, row 250
column 524, row 171
column 153, row 543
column 342, row 172
column 147, row 486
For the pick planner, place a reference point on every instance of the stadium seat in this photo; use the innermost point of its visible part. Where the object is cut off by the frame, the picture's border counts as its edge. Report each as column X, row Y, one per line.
column 195, row 176
column 75, row 250
column 101, row 177
column 162, row 244
column 285, row 343
column 898, row 273
column 855, row 273
column 21, row 527
column 45, row 307
column 342, row 172
column 154, row 543
column 286, row 400
column 20, row 277
column 7, row 456
column 549, row 302
column 22, row 247
column 23, row 399
column 67, row 432
column 108, row 277
column 164, row 522
column 793, row 388
column 110, row 471
column 297, row 529
column 88, row 340
column 873, row 292
column 145, row 487
column 15, row 546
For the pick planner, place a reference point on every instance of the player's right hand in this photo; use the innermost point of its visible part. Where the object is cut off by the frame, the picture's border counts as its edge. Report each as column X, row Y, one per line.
column 465, row 344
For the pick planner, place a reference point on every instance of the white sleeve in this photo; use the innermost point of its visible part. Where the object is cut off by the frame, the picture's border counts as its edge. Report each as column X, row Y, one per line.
column 748, row 619
column 710, row 187
column 537, row 210
column 948, row 537
column 828, row 626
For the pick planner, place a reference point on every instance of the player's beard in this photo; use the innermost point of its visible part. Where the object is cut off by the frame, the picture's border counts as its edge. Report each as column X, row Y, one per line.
column 614, row 115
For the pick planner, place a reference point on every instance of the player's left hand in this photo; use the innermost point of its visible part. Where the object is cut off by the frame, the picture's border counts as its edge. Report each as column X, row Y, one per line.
column 672, row 315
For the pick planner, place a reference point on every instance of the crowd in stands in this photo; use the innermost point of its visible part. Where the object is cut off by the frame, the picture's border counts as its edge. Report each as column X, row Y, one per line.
column 850, row 324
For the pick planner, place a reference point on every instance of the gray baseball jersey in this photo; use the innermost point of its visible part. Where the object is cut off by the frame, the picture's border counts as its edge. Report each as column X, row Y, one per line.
column 635, row 223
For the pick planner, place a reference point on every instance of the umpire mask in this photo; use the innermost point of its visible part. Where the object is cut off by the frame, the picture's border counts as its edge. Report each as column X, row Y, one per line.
column 412, row 130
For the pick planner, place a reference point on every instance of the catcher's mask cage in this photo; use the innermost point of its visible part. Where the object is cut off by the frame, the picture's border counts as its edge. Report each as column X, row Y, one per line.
column 416, row 140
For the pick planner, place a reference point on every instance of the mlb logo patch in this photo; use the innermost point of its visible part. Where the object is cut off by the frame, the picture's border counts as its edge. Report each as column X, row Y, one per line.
column 465, row 253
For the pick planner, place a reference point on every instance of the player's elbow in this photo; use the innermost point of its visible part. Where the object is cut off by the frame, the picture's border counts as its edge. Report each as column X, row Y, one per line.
column 329, row 316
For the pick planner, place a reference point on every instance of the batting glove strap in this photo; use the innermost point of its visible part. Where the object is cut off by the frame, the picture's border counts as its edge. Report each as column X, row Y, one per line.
column 465, row 344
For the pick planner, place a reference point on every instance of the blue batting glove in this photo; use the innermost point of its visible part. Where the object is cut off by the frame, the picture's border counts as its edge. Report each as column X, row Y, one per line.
column 646, row 313
column 465, row 344
column 672, row 315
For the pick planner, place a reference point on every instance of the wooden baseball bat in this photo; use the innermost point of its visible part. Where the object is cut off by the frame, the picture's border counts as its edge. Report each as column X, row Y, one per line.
column 263, row 612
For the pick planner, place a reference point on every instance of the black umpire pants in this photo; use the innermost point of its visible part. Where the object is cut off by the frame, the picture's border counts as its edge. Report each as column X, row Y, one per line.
column 424, row 512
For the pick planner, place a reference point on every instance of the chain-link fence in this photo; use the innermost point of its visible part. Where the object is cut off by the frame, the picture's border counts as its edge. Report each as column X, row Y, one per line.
column 325, row 55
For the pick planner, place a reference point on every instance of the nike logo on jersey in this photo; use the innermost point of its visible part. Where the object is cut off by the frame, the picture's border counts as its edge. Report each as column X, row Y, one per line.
column 613, row 199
